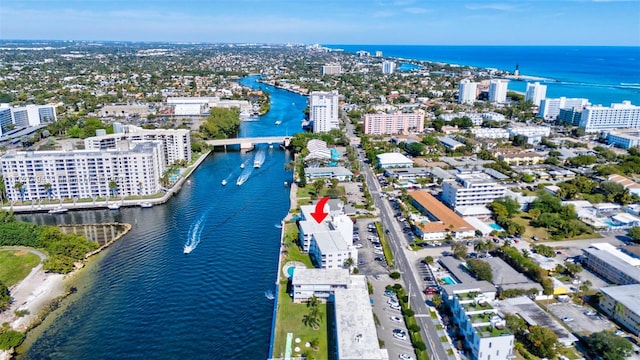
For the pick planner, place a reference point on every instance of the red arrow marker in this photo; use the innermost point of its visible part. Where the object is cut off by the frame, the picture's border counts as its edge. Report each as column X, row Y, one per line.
column 319, row 214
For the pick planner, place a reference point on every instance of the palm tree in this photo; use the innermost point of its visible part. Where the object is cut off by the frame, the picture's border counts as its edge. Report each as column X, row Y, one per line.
column 313, row 301
column 113, row 188
column 314, row 344
column 140, row 189
column 47, row 188
column 3, row 190
column 436, row 300
column 20, row 187
column 584, row 287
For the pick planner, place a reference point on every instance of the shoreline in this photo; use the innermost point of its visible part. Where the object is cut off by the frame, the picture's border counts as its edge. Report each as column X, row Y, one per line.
column 40, row 293
column 101, row 205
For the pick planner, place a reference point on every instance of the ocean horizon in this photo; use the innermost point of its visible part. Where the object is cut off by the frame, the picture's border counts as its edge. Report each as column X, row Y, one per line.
column 602, row 74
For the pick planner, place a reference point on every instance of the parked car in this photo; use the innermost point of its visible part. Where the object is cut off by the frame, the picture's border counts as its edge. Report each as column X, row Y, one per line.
column 404, row 357
column 567, row 319
column 400, row 334
column 397, row 319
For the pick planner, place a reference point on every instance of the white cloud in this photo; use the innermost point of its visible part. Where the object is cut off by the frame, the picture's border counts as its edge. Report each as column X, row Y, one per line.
column 416, row 10
column 492, row 6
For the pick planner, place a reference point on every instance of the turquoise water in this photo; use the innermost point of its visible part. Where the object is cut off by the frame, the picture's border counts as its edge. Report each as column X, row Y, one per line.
column 149, row 300
column 449, row 281
column 496, row 227
column 290, row 271
column 611, row 223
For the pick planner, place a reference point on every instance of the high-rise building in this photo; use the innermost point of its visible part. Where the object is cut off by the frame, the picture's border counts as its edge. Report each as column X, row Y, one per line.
column 498, row 90
column 136, row 168
column 467, row 92
column 617, row 116
column 323, row 110
column 394, row 123
column 176, row 143
column 388, row 67
column 33, row 115
column 5, row 118
column 550, row 107
column 535, row 93
column 331, row 69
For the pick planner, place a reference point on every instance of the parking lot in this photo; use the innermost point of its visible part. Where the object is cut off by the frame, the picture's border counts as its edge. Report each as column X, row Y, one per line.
column 354, row 195
column 386, row 325
column 576, row 320
column 370, row 259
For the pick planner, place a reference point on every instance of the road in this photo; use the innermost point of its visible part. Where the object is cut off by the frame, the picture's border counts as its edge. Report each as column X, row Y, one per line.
column 402, row 264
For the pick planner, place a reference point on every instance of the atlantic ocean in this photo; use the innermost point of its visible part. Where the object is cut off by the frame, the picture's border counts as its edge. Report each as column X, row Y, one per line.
column 602, row 74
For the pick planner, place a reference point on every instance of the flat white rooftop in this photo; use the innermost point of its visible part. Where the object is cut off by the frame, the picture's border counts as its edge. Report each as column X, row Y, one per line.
column 303, row 276
column 627, row 295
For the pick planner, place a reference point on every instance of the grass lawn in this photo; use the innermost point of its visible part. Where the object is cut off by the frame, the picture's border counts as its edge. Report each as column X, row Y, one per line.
column 15, row 265
column 542, row 234
column 290, row 315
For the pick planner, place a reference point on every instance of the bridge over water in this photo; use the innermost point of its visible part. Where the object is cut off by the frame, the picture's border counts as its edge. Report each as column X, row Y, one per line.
column 248, row 143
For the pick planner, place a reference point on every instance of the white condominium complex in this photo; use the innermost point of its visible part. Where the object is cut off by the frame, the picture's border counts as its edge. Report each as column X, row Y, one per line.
column 33, row 115
column 394, row 123
column 467, row 92
column 323, row 110
column 550, row 108
column 176, row 143
column 471, row 189
column 331, row 69
column 388, row 67
column 535, row 93
column 617, row 116
column 490, row 133
column 530, row 131
column 134, row 168
column 498, row 90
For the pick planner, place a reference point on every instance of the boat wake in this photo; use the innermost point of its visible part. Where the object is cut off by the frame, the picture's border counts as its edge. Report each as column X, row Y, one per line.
column 244, row 176
column 259, row 159
column 193, row 238
column 269, row 295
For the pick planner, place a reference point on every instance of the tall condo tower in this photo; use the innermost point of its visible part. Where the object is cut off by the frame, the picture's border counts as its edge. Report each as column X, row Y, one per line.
column 467, row 92
column 498, row 90
column 535, row 93
column 388, row 67
column 323, row 110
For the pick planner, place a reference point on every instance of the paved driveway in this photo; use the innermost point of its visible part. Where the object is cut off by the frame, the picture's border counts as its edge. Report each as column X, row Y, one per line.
column 580, row 322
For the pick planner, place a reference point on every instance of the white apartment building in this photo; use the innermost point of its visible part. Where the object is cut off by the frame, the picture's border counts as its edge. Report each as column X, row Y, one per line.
column 467, row 92
column 136, row 168
column 617, row 116
column 622, row 303
column 550, row 107
column 498, row 90
column 329, row 250
column 33, row 115
column 484, row 331
column 5, row 118
column 331, row 69
column 490, row 133
column 320, row 283
column 530, row 131
column 393, row 123
column 388, row 67
column 493, row 116
column 176, row 143
column 624, row 139
column 323, row 110
column 471, row 189
column 535, row 93
column 476, row 118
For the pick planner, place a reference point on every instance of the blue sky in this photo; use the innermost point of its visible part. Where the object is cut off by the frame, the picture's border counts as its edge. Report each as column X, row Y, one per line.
column 437, row 22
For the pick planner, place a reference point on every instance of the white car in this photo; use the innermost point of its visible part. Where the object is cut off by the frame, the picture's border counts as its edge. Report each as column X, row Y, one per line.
column 395, row 306
column 404, row 357
column 358, row 246
column 397, row 319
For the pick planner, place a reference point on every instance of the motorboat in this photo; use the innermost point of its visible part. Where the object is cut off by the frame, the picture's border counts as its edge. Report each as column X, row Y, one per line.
column 224, row 182
column 278, row 122
column 58, row 210
column 259, row 159
column 188, row 249
column 146, row 205
column 242, row 166
column 113, row 206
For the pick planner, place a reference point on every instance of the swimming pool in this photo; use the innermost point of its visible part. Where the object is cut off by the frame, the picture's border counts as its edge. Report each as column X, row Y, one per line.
column 496, row 227
column 611, row 223
column 449, row 281
column 290, row 271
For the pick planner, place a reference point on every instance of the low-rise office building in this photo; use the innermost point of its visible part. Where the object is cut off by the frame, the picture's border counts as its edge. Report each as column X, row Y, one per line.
column 393, row 160
column 338, row 172
column 471, row 189
column 622, row 303
column 624, row 138
column 438, row 220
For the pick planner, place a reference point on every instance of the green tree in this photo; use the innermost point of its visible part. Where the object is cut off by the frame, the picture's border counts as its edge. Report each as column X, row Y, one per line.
column 436, row 300
column 634, row 233
column 609, row 346
column 5, row 297
column 318, row 185
column 459, row 250
column 221, row 123
column 542, row 341
column 428, row 260
column 481, row 269
column 584, row 288
column 572, row 268
column 416, row 148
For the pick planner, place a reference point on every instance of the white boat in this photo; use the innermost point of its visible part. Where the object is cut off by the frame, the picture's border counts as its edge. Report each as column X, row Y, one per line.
column 58, row 210
column 240, row 181
column 113, row 206
column 242, row 166
column 146, row 205
column 258, row 160
column 278, row 122
column 188, row 249
column 224, row 182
